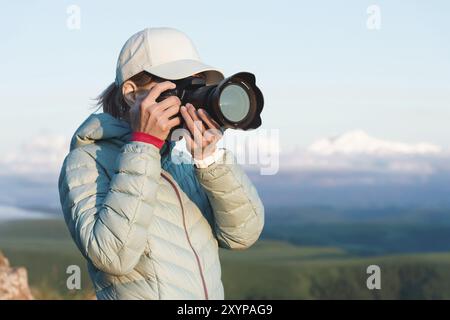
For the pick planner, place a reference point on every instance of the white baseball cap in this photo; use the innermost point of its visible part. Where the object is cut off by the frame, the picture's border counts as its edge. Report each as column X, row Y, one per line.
column 163, row 52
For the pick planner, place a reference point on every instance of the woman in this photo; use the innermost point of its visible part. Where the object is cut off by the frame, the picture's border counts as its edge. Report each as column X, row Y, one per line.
column 150, row 226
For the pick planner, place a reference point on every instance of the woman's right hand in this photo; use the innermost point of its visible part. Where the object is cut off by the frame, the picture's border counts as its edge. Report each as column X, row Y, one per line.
column 155, row 118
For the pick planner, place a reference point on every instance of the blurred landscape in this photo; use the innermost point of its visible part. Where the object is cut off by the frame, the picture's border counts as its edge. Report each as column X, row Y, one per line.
column 332, row 210
column 293, row 260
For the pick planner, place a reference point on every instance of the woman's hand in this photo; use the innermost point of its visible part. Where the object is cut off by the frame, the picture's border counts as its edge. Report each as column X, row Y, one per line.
column 153, row 118
column 204, row 132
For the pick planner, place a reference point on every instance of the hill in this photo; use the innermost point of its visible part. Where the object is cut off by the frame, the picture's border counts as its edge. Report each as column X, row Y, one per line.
column 270, row 269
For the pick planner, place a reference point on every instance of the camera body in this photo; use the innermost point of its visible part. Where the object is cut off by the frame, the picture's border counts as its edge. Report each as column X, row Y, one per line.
column 236, row 102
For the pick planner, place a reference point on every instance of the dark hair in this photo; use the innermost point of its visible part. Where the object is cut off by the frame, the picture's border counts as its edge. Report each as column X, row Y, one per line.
column 112, row 100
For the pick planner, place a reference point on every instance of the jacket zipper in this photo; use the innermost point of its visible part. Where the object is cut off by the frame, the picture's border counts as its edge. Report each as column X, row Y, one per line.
column 205, row 290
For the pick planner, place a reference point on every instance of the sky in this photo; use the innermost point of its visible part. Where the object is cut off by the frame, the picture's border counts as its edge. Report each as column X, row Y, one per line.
column 323, row 72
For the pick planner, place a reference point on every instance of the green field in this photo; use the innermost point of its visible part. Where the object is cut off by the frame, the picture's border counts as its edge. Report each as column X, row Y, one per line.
column 268, row 270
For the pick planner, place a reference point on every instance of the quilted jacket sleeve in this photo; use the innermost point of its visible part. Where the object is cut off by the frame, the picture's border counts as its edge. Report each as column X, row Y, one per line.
column 237, row 208
column 107, row 216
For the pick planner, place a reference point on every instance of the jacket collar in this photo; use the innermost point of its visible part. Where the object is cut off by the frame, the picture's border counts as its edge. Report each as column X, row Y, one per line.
column 99, row 127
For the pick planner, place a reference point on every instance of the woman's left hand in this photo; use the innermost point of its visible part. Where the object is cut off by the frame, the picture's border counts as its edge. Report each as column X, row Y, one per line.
column 204, row 132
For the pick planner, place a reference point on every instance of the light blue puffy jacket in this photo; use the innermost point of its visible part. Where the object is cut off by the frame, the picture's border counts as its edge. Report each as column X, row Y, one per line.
column 150, row 228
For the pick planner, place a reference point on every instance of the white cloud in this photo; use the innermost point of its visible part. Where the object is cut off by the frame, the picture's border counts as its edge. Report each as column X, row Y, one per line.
column 356, row 151
column 41, row 154
column 359, row 142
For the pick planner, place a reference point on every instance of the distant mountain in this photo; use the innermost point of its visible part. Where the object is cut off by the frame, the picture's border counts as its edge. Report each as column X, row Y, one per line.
column 353, row 189
column 349, row 170
column 355, row 169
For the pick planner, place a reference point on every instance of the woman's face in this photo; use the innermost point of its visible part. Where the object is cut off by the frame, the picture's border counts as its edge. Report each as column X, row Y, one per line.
column 133, row 93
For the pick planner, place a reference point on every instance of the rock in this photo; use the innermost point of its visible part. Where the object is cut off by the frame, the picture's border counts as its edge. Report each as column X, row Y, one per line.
column 13, row 282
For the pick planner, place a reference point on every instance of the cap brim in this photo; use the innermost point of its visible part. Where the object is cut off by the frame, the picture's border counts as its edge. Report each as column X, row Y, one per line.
column 185, row 68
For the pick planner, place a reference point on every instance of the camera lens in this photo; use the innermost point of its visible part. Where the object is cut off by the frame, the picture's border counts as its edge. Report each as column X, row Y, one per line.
column 234, row 103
